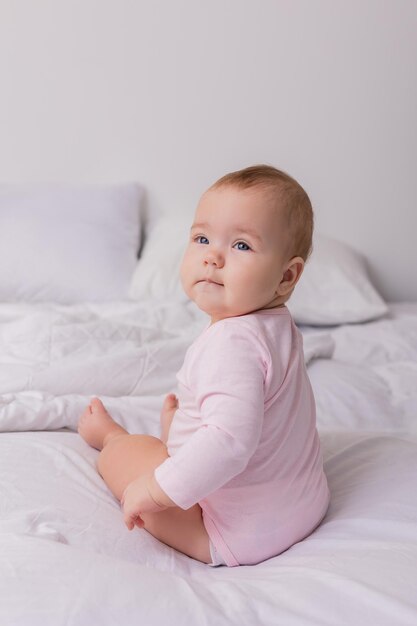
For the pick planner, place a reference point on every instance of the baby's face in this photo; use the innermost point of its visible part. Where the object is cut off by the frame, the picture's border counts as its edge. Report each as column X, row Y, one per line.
column 235, row 257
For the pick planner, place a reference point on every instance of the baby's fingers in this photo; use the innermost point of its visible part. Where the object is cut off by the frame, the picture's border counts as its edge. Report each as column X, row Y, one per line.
column 139, row 522
column 134, row 520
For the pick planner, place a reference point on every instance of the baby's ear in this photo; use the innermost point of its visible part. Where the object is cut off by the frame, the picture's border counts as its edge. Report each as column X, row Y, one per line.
column 291, row 275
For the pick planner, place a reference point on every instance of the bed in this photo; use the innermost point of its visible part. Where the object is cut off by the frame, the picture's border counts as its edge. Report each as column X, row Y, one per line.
column 102, row 322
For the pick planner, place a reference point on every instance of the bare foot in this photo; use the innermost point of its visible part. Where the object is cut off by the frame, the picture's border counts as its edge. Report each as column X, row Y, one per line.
column 96, row 426
column 167, row 413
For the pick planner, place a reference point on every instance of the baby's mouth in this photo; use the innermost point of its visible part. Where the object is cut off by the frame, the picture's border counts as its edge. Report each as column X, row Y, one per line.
column 210, row 281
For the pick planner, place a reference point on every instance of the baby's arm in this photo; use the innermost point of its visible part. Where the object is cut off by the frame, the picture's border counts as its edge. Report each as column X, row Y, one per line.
column 207, row 461
column 227, row 378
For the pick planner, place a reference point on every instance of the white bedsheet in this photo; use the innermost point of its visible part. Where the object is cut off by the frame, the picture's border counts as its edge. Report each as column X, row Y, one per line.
column 371, row 381
column 66, row 556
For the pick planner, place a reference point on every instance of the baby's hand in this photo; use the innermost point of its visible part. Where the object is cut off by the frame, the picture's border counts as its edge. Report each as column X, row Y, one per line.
column 136, row 500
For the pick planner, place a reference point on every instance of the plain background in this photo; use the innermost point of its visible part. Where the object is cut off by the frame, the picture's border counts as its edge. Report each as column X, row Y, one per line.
column 175, row 93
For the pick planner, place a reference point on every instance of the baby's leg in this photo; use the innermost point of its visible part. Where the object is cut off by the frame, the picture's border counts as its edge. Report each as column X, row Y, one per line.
column 122, row 459
column 168, row 409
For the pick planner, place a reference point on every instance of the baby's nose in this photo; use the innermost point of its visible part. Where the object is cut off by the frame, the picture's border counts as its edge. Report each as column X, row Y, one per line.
column 213, row 257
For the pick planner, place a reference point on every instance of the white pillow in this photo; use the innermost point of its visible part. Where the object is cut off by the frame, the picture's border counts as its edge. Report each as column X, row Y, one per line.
column 67, row 243
column 334, row 287
column 157, row 274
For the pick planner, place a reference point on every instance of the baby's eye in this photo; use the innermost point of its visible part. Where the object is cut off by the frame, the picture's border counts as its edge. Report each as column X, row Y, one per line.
column 201, row 239
column 241, row 245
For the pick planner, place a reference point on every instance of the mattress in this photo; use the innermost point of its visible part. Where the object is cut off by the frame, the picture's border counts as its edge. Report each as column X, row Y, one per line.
column 67, row 557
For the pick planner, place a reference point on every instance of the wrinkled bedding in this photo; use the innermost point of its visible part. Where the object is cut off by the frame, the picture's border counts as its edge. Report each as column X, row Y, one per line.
column 371, row 381
column 67, row 557
column 55, row 357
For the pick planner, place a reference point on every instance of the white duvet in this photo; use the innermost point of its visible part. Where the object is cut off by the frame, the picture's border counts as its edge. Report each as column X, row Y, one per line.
column 55, row 357
column 66, row 556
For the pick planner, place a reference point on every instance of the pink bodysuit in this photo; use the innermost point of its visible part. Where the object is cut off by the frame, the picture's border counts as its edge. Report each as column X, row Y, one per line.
column 243, row 442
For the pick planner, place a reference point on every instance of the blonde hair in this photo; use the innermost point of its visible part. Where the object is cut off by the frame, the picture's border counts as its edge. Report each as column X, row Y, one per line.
column 291, row 199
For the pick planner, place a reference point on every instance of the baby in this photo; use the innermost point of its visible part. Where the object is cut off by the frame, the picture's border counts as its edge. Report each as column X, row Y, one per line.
column 237, row 474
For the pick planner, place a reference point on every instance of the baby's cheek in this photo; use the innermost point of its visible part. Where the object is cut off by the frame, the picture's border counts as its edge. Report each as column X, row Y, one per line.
column 185, row 273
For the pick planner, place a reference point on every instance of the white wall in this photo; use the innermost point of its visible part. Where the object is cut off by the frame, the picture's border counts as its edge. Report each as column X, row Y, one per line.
column 174, row 93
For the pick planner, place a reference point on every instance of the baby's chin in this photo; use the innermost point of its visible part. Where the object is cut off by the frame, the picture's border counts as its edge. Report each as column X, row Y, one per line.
column 207, row 307
column 218, row 314
column 210, row 299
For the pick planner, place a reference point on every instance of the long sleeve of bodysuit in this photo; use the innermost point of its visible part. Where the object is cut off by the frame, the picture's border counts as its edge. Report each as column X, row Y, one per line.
column 225, row 370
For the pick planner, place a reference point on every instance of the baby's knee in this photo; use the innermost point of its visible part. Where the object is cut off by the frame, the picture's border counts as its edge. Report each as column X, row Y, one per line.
column 142, row 452
column 127, row 457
